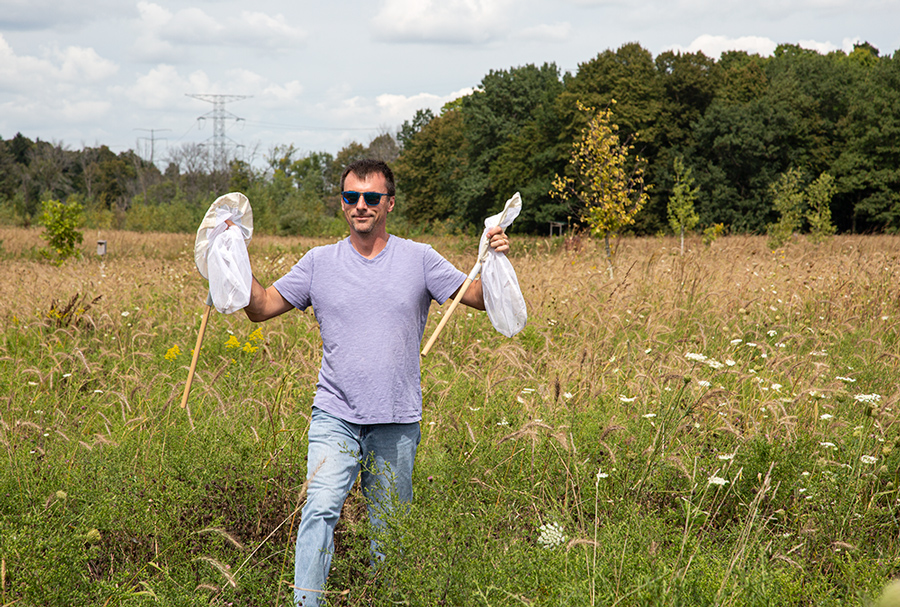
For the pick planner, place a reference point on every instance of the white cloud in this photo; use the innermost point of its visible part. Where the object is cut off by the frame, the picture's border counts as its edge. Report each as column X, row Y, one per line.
column 164, row 33
column 714, row 46
column 83, row 65
column 42, row 75
column 442, row 21
column 85, row 111
column 164, row 87
column 276, row 95
column 557, row 32
column 384, row 109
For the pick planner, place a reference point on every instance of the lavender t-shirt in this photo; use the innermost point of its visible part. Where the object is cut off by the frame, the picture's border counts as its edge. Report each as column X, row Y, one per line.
column 371, row 315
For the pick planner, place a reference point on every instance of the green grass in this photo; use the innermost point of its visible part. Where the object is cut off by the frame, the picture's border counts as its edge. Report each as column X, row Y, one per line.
column 613, row 415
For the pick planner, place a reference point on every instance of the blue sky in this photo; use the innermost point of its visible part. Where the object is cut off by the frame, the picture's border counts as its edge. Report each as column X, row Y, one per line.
column 319, row 75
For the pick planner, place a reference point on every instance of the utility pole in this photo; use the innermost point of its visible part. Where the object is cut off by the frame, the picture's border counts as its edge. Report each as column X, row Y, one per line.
column 219, row 116
column 152, row 140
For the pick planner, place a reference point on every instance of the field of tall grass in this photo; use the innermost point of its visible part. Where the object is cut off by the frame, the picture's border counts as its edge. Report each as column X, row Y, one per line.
column 717, row 428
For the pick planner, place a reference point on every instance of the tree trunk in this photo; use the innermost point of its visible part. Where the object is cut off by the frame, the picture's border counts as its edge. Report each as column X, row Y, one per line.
column 608, row 255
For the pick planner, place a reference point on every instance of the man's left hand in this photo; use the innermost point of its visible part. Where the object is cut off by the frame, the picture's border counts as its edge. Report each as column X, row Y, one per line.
column 498, row 239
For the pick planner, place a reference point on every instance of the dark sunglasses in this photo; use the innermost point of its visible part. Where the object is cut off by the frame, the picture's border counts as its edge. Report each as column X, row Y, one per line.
column 372, row 198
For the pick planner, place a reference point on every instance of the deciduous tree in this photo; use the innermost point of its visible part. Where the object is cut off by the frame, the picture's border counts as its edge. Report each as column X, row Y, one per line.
column 603, row 183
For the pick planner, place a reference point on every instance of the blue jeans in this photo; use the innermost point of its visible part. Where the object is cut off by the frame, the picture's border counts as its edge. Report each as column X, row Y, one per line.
column 338, row 452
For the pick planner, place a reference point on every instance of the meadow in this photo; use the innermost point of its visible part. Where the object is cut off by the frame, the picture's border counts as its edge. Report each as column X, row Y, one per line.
column 713, row 428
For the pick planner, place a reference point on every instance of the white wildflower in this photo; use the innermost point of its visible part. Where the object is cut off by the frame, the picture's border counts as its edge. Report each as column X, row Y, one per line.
column 726, row 456
column 849, row 380
column 735, row 342
column 826, row 416
column 551, row 535
column 601, row 474
column 776, row 387
column 567, row 395
column 828, row 445
column 503, row 422
column 649, row 415
column 704, row 383
column 714, row 364
column 870, row 399
column 695, row 357
column 717, row 480
column 730, row 362
column 772, row 333
column 625, row 399
column 868, row 459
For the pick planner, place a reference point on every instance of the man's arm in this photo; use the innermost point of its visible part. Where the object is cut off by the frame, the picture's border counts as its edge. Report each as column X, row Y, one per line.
column 474, row 295
column 265, row 303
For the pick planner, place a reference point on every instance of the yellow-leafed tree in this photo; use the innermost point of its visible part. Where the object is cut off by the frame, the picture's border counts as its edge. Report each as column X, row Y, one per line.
column 605, row 187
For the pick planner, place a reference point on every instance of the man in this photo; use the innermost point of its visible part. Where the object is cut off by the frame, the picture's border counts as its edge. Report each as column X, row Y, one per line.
column 370, row 294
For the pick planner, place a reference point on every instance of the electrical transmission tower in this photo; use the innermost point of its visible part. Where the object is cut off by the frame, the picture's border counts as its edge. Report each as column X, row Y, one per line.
column 219, row 115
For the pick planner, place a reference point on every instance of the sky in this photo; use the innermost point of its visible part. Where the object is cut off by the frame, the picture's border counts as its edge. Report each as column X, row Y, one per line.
column 148, row 75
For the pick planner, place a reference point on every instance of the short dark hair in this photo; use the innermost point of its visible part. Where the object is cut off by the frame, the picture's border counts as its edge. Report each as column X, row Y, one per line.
column 366, row 166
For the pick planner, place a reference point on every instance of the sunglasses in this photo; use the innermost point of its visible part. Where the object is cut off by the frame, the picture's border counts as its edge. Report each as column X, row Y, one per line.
column 372, row 198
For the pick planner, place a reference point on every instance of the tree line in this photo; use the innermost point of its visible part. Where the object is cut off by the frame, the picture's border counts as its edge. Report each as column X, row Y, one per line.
column 738, row 125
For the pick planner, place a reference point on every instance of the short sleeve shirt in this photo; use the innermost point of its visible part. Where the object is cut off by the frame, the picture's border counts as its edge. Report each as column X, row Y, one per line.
column 371, row 315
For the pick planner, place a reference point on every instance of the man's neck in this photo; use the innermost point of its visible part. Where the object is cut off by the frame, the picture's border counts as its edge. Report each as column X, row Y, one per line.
column 369, row 245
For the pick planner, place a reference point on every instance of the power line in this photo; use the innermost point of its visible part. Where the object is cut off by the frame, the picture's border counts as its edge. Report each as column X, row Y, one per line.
column 152, row 140
column 219, row 116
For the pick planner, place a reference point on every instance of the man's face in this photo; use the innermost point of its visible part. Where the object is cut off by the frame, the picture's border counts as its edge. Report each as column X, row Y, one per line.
column 365, row 219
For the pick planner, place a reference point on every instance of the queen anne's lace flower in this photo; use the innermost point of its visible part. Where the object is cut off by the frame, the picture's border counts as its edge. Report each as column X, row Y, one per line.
column 551, row 535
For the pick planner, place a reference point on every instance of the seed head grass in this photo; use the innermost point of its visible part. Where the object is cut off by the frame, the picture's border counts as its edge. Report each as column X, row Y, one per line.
column 717, row 428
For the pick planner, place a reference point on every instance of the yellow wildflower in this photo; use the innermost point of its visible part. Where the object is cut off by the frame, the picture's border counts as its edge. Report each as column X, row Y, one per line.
column 250, row 348
column 173, row 352
column 256, row 335
column 233, row 342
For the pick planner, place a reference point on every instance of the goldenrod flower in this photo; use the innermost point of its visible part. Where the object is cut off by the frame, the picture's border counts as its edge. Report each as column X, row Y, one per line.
column 250, row 348
column 256, row 335
column 173, row 352
column 233, row 342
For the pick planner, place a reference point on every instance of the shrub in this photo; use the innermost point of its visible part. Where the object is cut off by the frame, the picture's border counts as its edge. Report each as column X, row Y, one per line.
column 61, row 221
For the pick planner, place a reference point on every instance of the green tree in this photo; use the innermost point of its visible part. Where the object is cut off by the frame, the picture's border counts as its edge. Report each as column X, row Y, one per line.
column 603, row 182
column 682, row 215
column 431, row 169
column 494, row 114
column 788, row 200
column 819, row 194
column 410, row 127
column 61, row 222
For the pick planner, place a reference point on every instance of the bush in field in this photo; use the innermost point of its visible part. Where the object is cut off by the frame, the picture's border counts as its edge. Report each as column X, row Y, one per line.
column 788, row 200
column 61, row 221
column 819, row 193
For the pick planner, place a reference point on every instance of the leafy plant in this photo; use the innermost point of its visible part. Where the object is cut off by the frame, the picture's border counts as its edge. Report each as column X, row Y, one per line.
column 819, row 195
column 606, row 186
column 682, row 215
column 788, row 201
column 61, row 222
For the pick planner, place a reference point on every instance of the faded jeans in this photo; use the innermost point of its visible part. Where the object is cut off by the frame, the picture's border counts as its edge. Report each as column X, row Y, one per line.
column 338, row 452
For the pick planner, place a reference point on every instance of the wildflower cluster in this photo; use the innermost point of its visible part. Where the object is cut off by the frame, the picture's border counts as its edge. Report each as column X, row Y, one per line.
column 173, row 352
column 551, row 535
column 248, row 346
